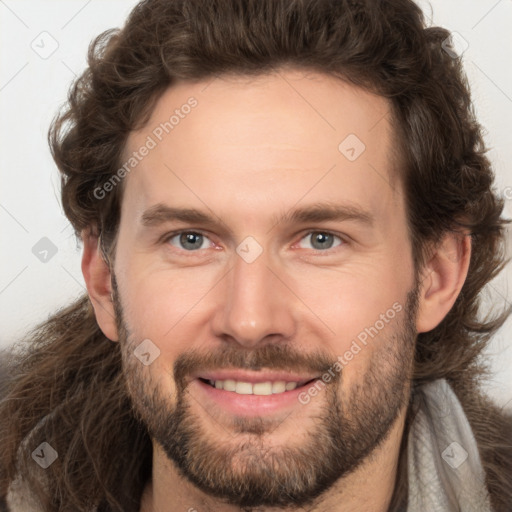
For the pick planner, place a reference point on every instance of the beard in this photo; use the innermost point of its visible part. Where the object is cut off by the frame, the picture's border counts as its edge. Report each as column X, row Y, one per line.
column 247, row 471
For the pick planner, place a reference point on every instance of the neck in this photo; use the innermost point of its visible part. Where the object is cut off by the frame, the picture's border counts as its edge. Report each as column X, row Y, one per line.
column 349, row 494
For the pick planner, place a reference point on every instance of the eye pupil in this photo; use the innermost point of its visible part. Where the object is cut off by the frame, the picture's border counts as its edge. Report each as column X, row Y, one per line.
column 322, row 238
column 191, row 240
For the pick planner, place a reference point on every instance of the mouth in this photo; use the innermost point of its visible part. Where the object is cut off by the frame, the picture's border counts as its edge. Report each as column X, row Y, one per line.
column 265, row 388
column 251, row 394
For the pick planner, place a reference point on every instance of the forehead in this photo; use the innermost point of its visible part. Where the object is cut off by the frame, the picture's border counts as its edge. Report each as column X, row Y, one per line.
column 263, row 143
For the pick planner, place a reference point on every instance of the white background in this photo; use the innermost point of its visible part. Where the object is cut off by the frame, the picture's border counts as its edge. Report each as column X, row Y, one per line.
column 32, row 88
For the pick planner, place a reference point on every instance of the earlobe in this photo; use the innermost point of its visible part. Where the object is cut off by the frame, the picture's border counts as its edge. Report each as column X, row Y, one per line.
column 97, row 278
column 442, row 279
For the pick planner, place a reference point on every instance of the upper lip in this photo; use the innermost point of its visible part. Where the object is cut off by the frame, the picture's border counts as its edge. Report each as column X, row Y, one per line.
column 255, row 377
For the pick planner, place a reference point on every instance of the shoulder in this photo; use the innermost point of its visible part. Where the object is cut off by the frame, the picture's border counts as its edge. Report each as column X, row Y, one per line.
column 19, row 498
column 492, row 428
column 494, row 440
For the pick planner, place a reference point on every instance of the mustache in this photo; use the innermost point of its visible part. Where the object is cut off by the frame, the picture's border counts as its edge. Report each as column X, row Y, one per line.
column 270, row 357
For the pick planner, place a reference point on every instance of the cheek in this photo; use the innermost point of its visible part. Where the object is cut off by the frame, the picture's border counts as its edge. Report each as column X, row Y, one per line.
column 363, row 306
column 160, row 310
column 164, row 305
column 353, row 297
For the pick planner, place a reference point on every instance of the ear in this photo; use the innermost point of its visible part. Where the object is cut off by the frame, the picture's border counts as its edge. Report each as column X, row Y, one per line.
column 442, row 279
column 98, row 281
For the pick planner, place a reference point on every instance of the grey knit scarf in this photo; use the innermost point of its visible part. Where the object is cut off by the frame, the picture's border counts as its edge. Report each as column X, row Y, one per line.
column 445, row 473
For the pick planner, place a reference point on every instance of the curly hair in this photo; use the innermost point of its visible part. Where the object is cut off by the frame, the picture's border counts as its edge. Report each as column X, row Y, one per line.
column 69, row 374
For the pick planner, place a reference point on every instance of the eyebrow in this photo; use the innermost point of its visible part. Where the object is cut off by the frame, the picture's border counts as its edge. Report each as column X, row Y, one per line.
column 320, row 212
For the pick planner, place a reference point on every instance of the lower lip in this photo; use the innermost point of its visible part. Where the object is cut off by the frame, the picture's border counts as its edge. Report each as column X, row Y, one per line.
column 250, row 405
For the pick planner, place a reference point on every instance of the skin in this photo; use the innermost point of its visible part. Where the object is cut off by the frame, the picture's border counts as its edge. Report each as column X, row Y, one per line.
column 250, row 151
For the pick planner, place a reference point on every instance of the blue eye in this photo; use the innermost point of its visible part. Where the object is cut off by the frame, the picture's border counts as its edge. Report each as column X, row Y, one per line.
column 321, row 240
column 193, row 241
column 189, row 240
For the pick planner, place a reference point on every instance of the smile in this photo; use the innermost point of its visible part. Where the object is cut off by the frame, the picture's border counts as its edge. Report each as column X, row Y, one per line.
column 250, row 394
column 258, row 388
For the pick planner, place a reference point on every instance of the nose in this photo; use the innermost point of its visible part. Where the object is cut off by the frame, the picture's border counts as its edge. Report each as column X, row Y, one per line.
column 256, row 304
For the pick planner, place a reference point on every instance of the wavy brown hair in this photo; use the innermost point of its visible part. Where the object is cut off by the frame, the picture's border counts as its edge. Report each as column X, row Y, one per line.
column 67, row 386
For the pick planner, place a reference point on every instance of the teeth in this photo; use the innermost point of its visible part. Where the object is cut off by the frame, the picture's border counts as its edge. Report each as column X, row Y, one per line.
column 278, row 387
column 228, row 385
column 260, row 388
column 243, row 388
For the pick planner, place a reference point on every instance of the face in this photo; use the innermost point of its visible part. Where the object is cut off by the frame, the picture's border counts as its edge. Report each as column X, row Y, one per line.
column 264, row 277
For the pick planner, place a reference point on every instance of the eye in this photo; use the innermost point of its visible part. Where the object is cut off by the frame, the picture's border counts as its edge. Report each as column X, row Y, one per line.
column 320, row 240
column 190, row 241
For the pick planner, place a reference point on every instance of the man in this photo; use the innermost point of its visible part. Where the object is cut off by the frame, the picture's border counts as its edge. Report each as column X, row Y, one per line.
column 287, row 219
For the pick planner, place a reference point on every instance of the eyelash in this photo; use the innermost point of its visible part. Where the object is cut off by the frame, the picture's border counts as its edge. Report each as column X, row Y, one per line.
column 169, row 236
